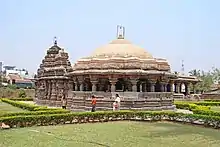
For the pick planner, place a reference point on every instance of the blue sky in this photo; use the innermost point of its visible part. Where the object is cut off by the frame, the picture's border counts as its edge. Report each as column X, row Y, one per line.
column 177, row 30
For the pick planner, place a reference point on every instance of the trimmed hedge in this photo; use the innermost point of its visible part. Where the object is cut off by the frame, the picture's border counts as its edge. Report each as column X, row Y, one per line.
column 21, row 99
column 190, row 106
column 34, row 113
column 29, row 107
column 206, row 112
column 210, row 100
column 86, row 117
column 208, row 103
column 21, row 105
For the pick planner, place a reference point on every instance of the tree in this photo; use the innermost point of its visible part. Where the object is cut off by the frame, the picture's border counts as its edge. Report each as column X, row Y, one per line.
column 216, row 75
column 206, row 80
column 195, row 73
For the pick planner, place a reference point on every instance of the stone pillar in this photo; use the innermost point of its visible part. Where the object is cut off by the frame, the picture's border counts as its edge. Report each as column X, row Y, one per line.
column 70, row 86
column 81, row 81
column 144, row 87
column 45, row 90
column 152, row 86
column 187, row 87
column 171, row 86
column 94, row 87
column 165, row 87
column 61, row 89
column 53, row 90
column 162, row 87
column 70, row 94
column 49, row 90
column 76, row 86
column 134, row 85
column 141, row 87
column 113, row 81
column 177, row 88
column 81, row 86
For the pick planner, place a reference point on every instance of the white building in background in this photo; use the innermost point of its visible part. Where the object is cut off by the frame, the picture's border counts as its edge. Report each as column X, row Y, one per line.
column 13, row 70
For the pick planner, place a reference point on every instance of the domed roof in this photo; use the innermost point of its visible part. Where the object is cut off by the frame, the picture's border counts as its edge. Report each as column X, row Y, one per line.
column 120, row 54
column 121, row 47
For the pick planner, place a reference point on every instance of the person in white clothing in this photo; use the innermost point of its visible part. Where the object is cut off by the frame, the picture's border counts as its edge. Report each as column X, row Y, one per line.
column 115, row 106
column 118, row 100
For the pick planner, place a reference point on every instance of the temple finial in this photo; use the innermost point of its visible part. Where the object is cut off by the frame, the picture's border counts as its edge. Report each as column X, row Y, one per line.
column 55, row 40
column 120, row 32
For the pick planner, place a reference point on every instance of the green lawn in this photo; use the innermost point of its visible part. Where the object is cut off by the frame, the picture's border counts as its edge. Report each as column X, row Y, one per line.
column 120, row 134
column 5, row 108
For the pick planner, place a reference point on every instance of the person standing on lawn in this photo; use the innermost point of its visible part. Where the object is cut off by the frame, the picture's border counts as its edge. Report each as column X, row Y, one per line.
column 93, row 103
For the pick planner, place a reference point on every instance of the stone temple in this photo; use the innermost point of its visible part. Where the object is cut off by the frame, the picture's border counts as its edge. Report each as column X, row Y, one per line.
column 142, row 81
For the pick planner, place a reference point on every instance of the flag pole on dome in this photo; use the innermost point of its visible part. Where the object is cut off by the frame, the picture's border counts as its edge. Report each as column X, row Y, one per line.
column 123, row 32
column 120, row 32
column 55, row 40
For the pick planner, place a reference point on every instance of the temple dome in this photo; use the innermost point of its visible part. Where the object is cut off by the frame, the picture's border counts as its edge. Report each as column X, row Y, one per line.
column 121, row 48
column 120, row 55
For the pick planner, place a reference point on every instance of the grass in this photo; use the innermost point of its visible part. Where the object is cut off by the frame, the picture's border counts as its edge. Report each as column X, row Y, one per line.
column 6, row 108
column 215, row 108
column 121, row 134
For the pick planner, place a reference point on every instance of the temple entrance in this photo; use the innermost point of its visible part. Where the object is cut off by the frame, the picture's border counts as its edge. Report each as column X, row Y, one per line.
column 148, row 85
column 157, row 86
column 103, row 85
column 120, row 85
column 88, row 85
column 169, row 86
column 106, row 85
column 127, row 84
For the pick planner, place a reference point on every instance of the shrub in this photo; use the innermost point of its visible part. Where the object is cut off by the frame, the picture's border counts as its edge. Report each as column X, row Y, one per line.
column 22, row 94
column 12, row 86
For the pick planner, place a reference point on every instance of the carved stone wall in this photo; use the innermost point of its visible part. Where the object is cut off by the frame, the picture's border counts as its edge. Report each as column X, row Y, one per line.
column 51, row 81
column 122, row 63
column 129, row 101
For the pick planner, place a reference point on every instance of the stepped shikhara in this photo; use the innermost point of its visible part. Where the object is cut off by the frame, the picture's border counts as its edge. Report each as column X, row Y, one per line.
column 143, row 82
column 52, row 83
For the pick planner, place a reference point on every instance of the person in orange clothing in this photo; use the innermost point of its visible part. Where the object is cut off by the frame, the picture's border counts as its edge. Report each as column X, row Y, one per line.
column 93, row 103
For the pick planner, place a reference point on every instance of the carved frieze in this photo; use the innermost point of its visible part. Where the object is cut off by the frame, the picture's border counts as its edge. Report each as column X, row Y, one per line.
column 122, row 64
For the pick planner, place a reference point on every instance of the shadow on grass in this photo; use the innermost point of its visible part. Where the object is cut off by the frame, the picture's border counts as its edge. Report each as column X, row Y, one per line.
column 174, row 129
column 90, row 142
